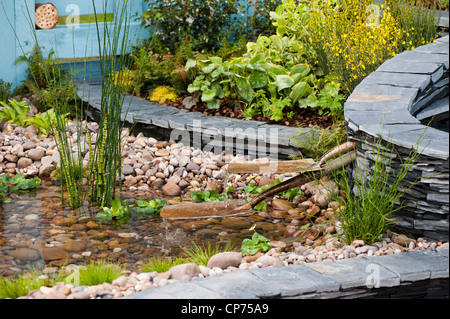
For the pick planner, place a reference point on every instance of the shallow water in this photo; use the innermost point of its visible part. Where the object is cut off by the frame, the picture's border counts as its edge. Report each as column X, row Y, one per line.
column 37, row 230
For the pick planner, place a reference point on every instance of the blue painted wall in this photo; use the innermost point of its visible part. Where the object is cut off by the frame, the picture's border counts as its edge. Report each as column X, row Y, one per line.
column 78, row 41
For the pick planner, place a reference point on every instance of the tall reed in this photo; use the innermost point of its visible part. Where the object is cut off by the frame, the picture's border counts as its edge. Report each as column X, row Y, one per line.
column 93, row 178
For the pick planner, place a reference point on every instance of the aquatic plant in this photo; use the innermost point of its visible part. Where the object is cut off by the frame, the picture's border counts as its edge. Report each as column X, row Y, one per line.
column 257, row 243
column 150, row 207
column 117, row 212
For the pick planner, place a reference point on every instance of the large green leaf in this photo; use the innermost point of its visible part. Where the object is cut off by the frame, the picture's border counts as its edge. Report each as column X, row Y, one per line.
column 299, row 90
column 258, row 79
column 244, row 89
column 284, row 81
column 208, row 95
column 300, row 70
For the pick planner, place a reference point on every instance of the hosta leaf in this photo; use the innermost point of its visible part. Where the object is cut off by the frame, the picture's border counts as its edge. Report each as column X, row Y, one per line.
column 299, row 90
column 283, row 82
column 208, row 95
column 258, row 79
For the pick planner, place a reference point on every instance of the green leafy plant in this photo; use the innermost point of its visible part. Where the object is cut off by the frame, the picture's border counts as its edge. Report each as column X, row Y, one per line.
column 117, row 212
column 15, row 112
column 200, row 254
column 257, row 243
column 18, row 183
column 151, row 207
column 210, row 195
column 45, row 122
column 203, row 22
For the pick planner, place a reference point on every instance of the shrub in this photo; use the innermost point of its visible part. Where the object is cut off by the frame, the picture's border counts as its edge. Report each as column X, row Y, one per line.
column 352, row 38
column 5, row 90
column 205, row 23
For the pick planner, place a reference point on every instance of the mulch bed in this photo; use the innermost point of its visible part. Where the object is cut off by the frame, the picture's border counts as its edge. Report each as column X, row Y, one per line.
column 301, row 118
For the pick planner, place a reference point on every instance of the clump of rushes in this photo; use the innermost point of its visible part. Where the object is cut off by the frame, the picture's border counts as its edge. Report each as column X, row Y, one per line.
column 200, row 255
column 32, row 279
column 99, row 272
column 160, row 264
column 372, row 198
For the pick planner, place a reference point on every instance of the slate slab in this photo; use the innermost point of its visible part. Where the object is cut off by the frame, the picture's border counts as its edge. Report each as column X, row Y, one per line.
column 356, row 272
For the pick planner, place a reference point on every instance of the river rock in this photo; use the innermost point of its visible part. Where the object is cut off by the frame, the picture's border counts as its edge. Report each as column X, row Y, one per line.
column 53, row 253
column 171, row 189
column 36, row 154
column 24, row 162
column 25, row 254
column 281, row 204
column 127, row 170
column 184, row 271
column 225, row 259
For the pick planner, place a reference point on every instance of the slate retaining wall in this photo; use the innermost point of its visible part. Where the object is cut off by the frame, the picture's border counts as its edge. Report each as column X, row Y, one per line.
column 382, row 106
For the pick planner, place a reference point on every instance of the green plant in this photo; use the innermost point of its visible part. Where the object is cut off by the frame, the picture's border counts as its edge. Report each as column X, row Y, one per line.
column 257, row 243
column 48, row 80
column 200, row 255
column 117, row 212
column 160, row 264
column 210, row 195
column 33, row 279
column 317, row 141
column 203, row 22
column 15, row 112
column 153, row 206
column 45, row 122
column 99, row 272
column 14, row 287
column 5, row 90
column 372, row 198
column 18, row 183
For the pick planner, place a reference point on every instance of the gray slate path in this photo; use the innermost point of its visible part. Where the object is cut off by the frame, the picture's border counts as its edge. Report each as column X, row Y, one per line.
column 311, row 279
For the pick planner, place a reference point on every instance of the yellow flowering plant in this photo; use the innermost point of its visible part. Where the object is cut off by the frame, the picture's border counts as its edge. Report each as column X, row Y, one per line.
column 162, row 94
column 352, row 38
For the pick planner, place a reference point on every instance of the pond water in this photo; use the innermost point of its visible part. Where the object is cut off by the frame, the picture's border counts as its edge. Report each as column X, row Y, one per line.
column 37, row 229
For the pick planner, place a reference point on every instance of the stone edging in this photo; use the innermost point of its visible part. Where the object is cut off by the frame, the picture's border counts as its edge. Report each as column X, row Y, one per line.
column 256, row 139
column 381, row 106
column 389, row 276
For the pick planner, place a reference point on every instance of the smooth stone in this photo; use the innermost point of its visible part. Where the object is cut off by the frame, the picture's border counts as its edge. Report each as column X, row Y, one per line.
column 184, row 271
column 225, row 259
column 171, row 189
column 36, row 154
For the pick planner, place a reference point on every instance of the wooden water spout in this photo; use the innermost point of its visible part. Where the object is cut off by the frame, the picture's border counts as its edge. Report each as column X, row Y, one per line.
column 309, row 171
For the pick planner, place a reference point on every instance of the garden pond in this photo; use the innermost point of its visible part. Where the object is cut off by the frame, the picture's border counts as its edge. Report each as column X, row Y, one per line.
column 37, row 229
